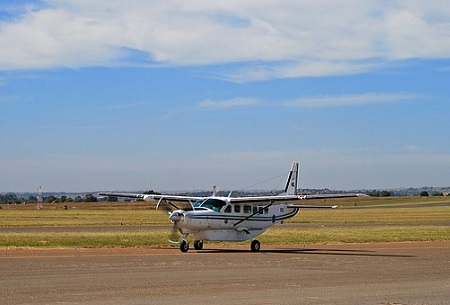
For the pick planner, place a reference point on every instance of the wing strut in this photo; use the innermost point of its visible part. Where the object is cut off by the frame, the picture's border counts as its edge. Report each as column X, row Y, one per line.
column 168, row 202
column 255, row 213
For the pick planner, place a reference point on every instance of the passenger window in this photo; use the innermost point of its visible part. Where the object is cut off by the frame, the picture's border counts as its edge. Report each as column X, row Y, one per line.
column 247, row 209
column 228, row 209
column 237, row 208
column 255, row 209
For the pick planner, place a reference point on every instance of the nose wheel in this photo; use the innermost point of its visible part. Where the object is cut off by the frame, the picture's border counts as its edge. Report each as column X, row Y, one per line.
column 184, row 246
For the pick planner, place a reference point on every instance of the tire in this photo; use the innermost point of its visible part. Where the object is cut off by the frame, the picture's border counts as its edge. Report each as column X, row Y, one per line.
column 184, row 246
column 198, row 244
column 255, row 246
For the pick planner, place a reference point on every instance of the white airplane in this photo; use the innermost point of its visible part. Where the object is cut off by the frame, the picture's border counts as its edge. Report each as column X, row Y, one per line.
column 229, row 218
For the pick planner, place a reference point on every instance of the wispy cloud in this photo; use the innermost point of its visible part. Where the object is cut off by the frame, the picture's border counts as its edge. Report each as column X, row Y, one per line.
column 227, row 104
column 7, row 99
column 246, row 156
column 128, row 105
column 351, row 100
column 296, row 39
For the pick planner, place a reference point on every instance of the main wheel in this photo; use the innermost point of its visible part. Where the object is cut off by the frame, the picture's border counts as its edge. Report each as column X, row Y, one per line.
column 255, row 246
column 198, row 244
column 184, row 246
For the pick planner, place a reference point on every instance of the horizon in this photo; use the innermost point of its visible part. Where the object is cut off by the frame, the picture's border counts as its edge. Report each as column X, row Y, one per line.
column 227, row 191
column 128, row 95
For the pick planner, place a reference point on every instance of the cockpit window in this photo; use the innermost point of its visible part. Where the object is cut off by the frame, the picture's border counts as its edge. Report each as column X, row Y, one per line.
column 210, row 203
column 198, row 203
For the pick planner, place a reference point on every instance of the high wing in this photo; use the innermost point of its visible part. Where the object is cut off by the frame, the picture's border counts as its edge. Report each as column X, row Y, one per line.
column 289, row 198
column 289, row 195
column 150, row 197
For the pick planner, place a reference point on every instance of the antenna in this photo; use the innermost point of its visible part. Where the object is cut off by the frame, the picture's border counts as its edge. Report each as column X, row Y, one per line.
column 40, row 199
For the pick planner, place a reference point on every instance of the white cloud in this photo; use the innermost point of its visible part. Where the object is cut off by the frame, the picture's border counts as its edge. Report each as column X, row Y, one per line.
column 351, row 100
column 227, row 104
column 298, row 38
column 299, row 68
column 411, row 148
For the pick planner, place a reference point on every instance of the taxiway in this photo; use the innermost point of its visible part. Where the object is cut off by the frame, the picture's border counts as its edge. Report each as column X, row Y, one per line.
column 375, row 274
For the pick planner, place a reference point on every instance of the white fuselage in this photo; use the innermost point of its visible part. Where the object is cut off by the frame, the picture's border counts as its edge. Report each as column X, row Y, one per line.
column 218, row 220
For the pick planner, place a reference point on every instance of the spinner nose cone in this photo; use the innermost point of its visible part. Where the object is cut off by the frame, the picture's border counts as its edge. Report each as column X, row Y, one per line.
column 176, row 216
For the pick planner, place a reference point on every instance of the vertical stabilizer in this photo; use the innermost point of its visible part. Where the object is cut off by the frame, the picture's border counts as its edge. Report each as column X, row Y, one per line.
column 291, row 183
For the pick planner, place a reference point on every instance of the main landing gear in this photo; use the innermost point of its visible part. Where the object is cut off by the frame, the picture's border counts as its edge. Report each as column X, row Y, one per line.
column 198, row 245
column 255, row 246
column 184, row 245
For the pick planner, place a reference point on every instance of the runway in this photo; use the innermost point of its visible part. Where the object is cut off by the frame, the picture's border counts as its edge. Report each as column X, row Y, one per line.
column 375, row 274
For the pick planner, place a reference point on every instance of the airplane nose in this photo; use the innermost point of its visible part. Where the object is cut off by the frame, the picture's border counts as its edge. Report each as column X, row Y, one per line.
column 176, row 216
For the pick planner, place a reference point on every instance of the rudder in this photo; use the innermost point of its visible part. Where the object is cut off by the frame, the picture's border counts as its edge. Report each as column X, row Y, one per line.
column 291, row 183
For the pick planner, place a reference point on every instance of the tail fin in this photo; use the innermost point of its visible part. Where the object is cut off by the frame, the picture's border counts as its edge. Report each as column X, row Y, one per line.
column 291, row 183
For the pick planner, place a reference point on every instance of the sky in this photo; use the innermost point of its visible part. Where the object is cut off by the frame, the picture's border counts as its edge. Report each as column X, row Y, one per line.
column 184, row 95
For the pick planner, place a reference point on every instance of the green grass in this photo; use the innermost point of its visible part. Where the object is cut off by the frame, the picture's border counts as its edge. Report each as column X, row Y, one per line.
column 356, row 235
column 391, row 221
column 392, row 215
column 276, row 235
column 80, row 217
column 85, row 239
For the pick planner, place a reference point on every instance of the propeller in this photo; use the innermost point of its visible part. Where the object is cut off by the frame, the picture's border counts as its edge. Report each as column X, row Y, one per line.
column 174, row 216
column 174, row 236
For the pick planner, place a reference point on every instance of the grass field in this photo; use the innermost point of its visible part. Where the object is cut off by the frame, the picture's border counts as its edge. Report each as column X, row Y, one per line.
column 363, row 220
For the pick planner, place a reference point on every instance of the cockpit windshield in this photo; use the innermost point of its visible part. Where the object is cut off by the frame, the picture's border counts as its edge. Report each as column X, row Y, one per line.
column 210, row 203
column 198, row 203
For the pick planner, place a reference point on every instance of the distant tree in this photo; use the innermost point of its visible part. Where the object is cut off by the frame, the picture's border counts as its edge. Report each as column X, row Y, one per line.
column 9, row 198
column 424, row 194
column 63, row 198
column 68, row 199
column 32, row 199
column 90, row 198
column 374, row 193
column 51, row 199
column 78, row 199
column 385, row 194
column 151, row 192
column 438, row 194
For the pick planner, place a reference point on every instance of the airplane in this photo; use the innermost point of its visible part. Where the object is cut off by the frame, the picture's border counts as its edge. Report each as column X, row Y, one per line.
column 217, row 218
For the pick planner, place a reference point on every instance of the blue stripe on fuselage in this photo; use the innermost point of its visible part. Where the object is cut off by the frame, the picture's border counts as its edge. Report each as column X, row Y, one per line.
column 223, row 216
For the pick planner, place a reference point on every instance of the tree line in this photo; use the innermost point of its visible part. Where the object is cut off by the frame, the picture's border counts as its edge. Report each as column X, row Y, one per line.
column 12, row 198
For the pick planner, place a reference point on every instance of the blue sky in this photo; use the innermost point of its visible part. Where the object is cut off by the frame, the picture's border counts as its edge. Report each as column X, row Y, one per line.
column 182, row 95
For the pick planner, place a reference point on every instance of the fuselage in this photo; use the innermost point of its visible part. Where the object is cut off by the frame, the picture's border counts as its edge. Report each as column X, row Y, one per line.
column 217, row 219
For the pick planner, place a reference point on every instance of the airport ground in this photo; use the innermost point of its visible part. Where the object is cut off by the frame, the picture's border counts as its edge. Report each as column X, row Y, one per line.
column 375, row 273
column 410, row 273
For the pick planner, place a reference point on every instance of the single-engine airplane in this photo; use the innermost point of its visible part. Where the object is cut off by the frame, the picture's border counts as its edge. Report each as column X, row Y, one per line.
column 229, row 218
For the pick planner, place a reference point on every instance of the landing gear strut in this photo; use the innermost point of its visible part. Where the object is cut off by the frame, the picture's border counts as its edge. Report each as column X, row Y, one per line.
column 255, row 246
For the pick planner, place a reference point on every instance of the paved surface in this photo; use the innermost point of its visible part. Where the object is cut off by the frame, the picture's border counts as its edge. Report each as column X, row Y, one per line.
column 380, row 274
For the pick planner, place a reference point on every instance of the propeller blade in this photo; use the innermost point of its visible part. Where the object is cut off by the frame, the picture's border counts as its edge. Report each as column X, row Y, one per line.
column 174, row 237
column 170, row 208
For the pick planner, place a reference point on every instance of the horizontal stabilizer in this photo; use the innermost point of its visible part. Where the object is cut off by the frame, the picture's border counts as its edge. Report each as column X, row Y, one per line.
column 298, row 206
